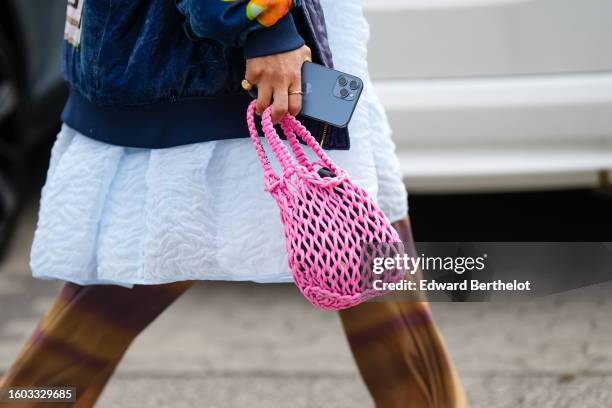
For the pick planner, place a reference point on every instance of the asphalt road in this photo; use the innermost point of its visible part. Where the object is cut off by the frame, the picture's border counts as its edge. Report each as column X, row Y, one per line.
column 235, row 345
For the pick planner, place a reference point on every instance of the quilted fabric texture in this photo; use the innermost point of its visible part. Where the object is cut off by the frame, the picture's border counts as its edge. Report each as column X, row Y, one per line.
column 328, row 220
column 110, row 214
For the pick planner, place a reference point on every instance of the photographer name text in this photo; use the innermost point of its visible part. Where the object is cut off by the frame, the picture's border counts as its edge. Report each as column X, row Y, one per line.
column 472, row 285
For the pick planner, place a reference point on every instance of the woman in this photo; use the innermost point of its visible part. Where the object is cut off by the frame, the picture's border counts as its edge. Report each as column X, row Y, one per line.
column 153, row 183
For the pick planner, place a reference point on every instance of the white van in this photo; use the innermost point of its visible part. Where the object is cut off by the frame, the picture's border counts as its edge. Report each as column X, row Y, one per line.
column 496, row 94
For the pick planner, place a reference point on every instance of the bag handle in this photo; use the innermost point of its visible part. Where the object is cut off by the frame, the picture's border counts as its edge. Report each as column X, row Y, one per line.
column 268, row 171
column 291, row 126
column 278, row 148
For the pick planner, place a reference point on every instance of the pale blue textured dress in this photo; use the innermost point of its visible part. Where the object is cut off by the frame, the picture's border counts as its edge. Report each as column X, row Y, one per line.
column 110, row 214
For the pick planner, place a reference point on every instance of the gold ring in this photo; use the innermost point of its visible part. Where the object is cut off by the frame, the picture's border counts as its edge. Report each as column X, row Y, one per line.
column 246, row 85
column 296, row 93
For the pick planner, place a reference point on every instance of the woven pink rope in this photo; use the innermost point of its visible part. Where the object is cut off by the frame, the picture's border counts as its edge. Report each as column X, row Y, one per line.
column 327, row 220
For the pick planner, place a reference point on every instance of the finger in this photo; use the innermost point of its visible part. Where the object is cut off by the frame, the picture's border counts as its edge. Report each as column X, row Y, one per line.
column 253, row 72
column 280, row 104
column 264, row 98
column 250, row 77
column 251, row 83
column 308, row 53
column 295, row 100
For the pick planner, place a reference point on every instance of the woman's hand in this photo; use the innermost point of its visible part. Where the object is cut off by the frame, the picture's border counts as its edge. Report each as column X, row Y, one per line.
column 275, row 76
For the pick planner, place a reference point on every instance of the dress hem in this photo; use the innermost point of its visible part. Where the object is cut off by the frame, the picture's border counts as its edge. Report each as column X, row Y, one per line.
column 227, row 278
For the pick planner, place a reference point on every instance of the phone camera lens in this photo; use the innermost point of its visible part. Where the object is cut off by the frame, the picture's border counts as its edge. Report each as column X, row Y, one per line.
column 344, row 92
column 354, row 84
column 342, row 81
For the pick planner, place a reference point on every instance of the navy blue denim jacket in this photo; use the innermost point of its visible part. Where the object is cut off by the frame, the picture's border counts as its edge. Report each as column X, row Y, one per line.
column 160, row 73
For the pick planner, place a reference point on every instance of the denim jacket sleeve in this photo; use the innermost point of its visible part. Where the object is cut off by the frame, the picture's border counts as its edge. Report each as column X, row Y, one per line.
column 262, row 27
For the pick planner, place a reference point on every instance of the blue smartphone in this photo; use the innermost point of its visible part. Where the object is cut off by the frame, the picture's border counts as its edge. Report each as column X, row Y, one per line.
column 329, row 96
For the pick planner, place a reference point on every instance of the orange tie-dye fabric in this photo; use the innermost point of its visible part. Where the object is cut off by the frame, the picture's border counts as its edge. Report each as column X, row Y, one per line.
column 266, row 12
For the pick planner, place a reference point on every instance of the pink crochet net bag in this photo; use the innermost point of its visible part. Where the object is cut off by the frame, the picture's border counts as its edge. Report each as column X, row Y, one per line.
column 333, row 229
